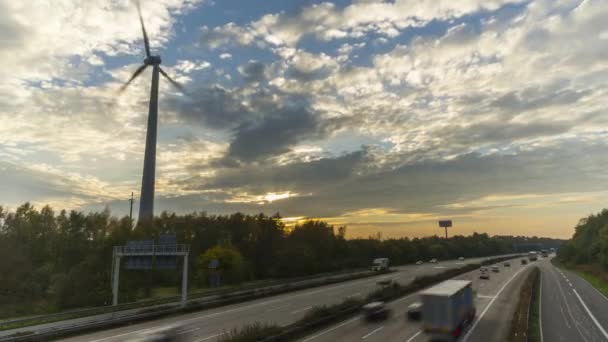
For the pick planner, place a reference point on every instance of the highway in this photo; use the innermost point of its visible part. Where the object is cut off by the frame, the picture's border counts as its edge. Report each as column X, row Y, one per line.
column 282, row 309
column 495, row 302
column 570, row 308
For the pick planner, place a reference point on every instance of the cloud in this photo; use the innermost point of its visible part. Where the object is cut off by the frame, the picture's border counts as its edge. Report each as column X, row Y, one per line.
column 279, row 130
column 227, row 34
column 326, row 21
column 253, row 71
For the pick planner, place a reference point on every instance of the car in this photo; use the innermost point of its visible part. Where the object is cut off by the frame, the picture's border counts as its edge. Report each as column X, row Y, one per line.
column 171, row 333
column 414, row 311
column 495, row 269
column 524, row 261
column 507, row 264
column 483, row 273
column 384, row 281
column 375, row 311
column 419, row 262
column 433, row 261
column 461, row 259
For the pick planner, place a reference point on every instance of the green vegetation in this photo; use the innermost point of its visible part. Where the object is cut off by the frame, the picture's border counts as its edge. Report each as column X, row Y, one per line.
column 596, row 277
column 54, row 261
column 587, row 252
column 589, row 244
column 534, row 323
column 525, row 325
column 251, row 333
column 320, row 316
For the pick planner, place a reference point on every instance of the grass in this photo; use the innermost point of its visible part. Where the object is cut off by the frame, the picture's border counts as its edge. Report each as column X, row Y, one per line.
column 250, row 333
column 525, row 323
column 595, row 276
column 534, row 320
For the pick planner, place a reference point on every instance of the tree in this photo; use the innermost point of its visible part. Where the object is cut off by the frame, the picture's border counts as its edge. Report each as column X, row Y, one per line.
column 230, row 262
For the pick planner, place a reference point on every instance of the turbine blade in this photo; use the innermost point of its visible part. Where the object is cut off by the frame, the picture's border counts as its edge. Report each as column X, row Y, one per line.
column 143, row 29
column 175, row 84
column 135, row 74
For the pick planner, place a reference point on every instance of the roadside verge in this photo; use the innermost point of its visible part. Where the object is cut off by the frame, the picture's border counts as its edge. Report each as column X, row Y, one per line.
column 525, row 323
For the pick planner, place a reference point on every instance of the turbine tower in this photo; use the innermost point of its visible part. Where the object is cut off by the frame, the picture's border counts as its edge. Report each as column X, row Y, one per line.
column 146, row 204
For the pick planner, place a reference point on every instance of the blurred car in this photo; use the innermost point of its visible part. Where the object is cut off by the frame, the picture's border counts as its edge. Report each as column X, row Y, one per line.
column 375, row 311
column 524, row 261
column 433, row 261
column 414, row 311
column 170, row 333
column 384, row 281
column 483, row 273
column 495, row 269
column 461, row 259
column 419, row 262
column 507, row 264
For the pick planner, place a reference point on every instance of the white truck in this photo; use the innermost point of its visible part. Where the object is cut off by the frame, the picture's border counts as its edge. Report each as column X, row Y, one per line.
column 447, row 309
column 380, row 264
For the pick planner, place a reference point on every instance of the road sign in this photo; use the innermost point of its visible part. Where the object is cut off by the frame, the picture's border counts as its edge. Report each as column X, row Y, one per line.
column 445, row 223
column 139, row 262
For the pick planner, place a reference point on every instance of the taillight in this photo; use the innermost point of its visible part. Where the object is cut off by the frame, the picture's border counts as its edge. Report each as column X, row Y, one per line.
column 456, row 332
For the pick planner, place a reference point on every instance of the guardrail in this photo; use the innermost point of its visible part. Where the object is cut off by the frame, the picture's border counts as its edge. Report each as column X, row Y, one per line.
column 219, row 299
column 142, row 304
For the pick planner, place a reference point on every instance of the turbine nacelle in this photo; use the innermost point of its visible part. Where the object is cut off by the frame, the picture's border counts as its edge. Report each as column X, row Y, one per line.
column 152, row 60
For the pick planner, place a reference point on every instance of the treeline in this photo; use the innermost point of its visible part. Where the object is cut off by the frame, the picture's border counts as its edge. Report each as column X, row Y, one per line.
column 589, row 244
column 52, row 261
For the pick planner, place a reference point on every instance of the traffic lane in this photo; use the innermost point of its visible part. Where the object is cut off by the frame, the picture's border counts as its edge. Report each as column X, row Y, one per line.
column 487, row 293
column 564, row 316
column 207, row 323
column 596, row 302
column 396, row 328
column 283, row 314
column 493, row 319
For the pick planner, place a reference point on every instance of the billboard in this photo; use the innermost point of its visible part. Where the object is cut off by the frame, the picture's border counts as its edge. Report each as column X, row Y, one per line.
column 445, row 223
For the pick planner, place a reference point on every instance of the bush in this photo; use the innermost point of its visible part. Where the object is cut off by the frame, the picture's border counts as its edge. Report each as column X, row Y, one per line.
column 251, row 333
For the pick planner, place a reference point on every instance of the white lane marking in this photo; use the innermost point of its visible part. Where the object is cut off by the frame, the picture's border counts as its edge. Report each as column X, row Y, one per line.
column 439, row 267
column 241, row 308
column 300, row 310
column 372, row 332
column 187, row 331
column 593, row 287
column 331, row 329
column 540, row 307
column 127, row 333
column 599, row 326
column 482, row 296
column 575, row 323
column 207, row 338
column 414, row 336
column 561, row 308
column 490, row 304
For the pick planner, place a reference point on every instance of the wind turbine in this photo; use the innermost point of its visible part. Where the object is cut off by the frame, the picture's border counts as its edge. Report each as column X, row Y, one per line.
column 146, row 204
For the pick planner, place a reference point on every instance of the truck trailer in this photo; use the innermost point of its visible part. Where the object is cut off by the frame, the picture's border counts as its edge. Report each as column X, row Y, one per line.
column 447, row 309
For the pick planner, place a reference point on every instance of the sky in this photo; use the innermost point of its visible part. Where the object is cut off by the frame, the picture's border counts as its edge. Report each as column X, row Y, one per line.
column 384, row 116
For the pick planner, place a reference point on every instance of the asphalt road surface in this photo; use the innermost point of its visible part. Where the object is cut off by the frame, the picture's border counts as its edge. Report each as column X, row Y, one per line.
column 571, row 309
column 282, row 309
column 495, row 301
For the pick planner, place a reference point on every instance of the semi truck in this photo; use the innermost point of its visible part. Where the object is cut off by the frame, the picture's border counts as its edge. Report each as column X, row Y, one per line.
column 447, row 309
column 380, row 264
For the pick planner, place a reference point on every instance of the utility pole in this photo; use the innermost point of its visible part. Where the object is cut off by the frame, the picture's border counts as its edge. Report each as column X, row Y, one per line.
column 131, row 209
